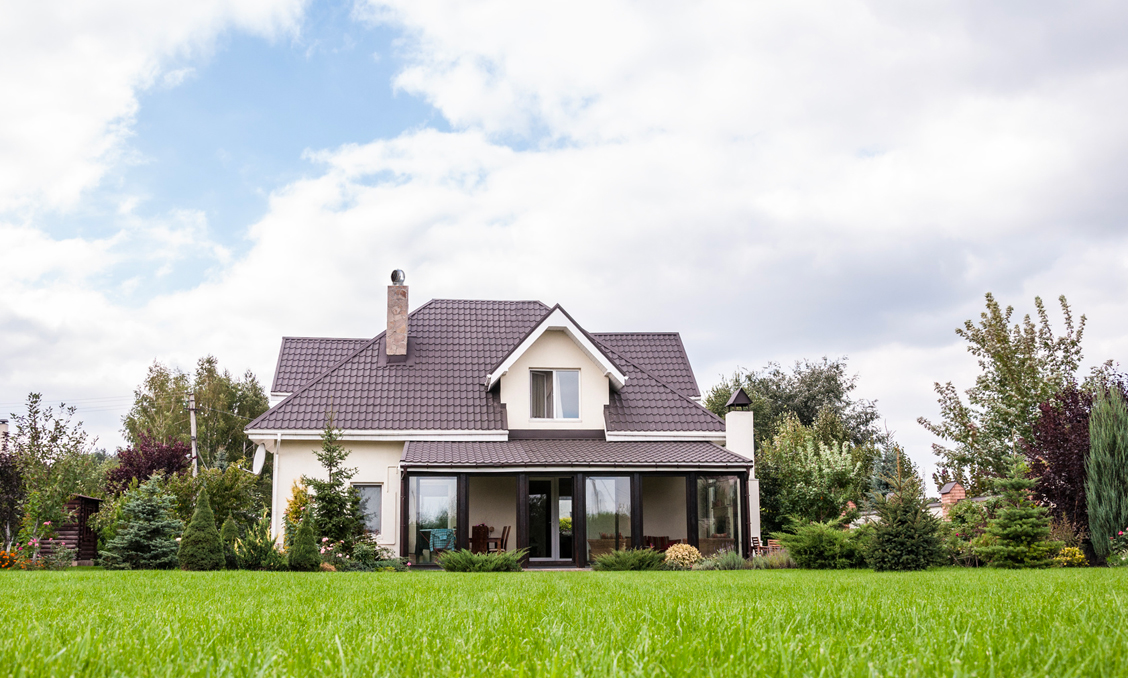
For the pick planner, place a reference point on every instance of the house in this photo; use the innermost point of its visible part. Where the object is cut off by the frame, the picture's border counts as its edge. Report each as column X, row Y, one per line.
column 510, row 418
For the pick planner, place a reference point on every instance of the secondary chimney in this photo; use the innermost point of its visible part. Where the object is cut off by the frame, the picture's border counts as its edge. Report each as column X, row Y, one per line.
column 396, row 339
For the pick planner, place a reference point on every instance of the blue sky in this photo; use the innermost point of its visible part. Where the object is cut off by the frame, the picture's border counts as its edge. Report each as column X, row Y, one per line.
column 774, row 181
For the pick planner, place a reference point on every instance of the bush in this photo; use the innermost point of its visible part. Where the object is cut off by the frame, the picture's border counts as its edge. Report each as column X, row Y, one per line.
column 1019, row 534
column 303, row 556
column 371, row 557
column 629, row 559
column 231, row 490
column 905, row 538
column 257, row 551
column 465, row 561
column 146, row 534
column 778, row 560
column 1070, row 556
column 826, row 546
column 724, row 560
column 200, row 547
column 59, row 558
column 681, row 557
column 228, row 535
column 8, row 560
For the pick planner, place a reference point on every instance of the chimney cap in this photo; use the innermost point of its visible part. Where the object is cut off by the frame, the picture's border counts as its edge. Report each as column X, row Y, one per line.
column 398, row 277
column 739, row 399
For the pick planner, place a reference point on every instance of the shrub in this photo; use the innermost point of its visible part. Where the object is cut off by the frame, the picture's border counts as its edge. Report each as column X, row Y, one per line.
column 303, row 556
column 371, row 557
column 724, row 560
column 1070, row 556
column 1106, row 480
column 59, row 557
column 465, row 561
column 629, row 559
column 8, row 560
column 228, row 535
column 826, row 546
column 681, row 557
column 1020, row 532
column 200, row 547
column 256, row 550
column 777, row 560
column 905, row 538
column 146, row 533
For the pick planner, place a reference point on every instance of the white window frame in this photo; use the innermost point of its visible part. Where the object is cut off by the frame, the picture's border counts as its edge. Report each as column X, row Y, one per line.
column 379, row 532
column 556, row 406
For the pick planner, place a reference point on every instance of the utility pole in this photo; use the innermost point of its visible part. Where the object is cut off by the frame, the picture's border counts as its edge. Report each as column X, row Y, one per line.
column 192, row 418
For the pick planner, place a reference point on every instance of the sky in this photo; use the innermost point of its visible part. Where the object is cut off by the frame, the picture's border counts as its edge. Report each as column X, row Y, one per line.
column 776, row 181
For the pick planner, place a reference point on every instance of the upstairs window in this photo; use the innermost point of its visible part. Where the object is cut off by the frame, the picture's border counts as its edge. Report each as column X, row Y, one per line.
column 554, row 394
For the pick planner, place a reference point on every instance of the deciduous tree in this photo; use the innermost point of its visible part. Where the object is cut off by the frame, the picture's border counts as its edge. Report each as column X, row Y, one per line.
column 148, row 457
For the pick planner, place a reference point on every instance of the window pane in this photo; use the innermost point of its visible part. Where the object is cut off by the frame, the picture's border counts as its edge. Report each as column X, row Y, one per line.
column 608, row 515
column 718, row 514
column 432, row 517
column 370, row 496
column 568, row 385
column 540, row 387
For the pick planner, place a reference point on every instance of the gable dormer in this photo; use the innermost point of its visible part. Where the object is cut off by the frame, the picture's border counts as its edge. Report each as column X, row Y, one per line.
column 556, row 378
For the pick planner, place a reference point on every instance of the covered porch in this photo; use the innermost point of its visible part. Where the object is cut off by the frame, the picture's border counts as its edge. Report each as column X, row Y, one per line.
column 568, row 514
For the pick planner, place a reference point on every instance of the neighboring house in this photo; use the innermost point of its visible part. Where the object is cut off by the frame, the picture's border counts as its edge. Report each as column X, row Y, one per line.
column 509, row 414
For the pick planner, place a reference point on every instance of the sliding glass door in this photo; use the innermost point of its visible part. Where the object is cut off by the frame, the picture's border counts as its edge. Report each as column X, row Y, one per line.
column 718, row 514
column 432, row 521
column 550, row 518
column 608, row 501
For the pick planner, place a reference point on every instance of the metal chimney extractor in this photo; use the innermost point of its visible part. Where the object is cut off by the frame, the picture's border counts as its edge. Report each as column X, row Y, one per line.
column 398, row 277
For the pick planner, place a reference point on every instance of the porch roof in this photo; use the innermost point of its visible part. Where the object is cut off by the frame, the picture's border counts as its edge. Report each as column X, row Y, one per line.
column 569, row 452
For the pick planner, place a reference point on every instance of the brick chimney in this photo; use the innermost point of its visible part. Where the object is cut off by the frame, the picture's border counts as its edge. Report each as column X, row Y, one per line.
column 396, row 339
column 950, row 495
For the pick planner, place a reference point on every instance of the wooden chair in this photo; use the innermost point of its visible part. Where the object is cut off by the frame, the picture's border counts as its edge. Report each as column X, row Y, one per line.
column 478, row 539
column 441, row 540
column 503, row 543
column 757, row 548
column 774, row 546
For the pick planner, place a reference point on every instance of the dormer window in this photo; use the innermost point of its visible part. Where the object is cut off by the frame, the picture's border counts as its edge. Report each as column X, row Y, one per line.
column 554, row 394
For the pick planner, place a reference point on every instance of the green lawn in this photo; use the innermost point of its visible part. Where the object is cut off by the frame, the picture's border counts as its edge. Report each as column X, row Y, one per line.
column 774, row 623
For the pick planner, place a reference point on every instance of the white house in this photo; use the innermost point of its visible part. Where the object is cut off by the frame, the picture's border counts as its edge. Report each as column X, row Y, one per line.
column 506, row 424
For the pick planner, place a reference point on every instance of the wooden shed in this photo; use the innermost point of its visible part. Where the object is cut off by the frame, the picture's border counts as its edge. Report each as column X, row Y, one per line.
column 76, row 534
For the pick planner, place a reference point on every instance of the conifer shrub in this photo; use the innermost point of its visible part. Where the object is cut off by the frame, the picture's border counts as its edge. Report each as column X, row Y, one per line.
column 1070, row 556
column 256, row 550
column 681, row 557
column 629, row 559
column 1019, row 534
column 1106, row 470
column 201, row 547
column 464, row 560
column 906, row 537
column 826, row 546
column 145, row 535
column 303, row 556
column 229, row 534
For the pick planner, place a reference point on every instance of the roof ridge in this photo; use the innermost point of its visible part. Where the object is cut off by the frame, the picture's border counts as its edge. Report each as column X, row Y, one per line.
column 598, row 344
column 671, row 389
column 331, row 369
column 284, row 338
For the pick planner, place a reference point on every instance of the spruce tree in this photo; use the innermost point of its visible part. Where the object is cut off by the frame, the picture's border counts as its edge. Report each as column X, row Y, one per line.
column 336, row 505
column 200, row 547
column 1106, row 470
column 146, row 533
column 304, row 556
column 1019, row 534
column 230, row 534
column 906, row 536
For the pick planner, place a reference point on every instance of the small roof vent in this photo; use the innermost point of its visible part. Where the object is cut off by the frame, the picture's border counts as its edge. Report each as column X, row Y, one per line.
column 398, row 276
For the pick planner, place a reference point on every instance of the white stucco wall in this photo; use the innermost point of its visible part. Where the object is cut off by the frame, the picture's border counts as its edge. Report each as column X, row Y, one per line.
column 375, row 462
column 493, row 501
column 663, row 506
column 555, row 350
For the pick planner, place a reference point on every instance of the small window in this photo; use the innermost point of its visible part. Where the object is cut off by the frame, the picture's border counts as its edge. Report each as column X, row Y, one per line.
column 554, row 394
column 371, row 497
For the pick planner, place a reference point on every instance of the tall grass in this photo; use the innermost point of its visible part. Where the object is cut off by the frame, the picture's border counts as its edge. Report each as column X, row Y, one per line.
column 955, row 622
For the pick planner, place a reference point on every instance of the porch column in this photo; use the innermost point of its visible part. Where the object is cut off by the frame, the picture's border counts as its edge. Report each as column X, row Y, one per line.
column 691, row 509
column 636, row 510
column 745, row 517
column 403, row 514
column 579, row 520
column 462, row 527
column 523, row 512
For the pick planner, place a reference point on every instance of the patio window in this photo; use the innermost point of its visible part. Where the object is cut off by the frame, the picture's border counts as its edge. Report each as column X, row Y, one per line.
column 718, row 514
column 432, row 516
column 371, row 497
column 554, row 394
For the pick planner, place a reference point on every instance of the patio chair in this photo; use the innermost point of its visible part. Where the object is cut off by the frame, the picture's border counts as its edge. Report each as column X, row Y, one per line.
column 757, row 548
column 503, row 543
column 441, row 540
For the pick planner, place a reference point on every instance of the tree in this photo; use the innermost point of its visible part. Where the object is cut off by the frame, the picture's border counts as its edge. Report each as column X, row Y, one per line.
column 303, row 556
column 1021, row 366
column 905, row 538
column 233, row 490
column 12, row 495
column 337, row 510
column 808, row 389
column 1106, row 481
column 1057, row 450
column 146, row 533
column 148, row 457
column 1018, row 535
column 230, row 534
column 200, row 547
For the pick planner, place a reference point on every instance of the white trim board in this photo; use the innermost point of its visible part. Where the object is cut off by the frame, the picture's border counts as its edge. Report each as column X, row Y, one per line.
column 667, row 436
column 398, row 436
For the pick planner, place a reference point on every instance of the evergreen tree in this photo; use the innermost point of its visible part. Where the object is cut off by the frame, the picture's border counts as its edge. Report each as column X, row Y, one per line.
column 230, row 534
column 1106, row 469
column 303, row 556
column 146, row 533
column 906, row 537
column 1019, row 534
column 336, row 505
column 200, row 547
column 256, row 550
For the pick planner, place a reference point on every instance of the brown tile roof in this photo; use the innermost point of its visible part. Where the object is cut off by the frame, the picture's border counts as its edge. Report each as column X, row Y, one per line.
column 452, row 346
column 566, row 452
column 302, row 358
